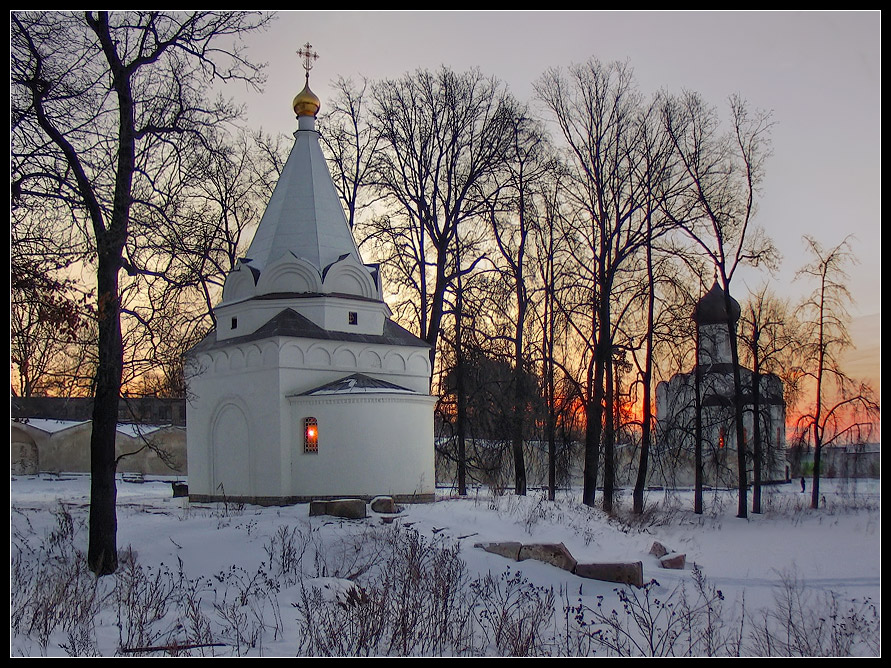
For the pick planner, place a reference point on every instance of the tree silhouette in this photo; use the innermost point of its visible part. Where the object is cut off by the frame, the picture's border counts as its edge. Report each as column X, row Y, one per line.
column 106, row 106
column 851, row 409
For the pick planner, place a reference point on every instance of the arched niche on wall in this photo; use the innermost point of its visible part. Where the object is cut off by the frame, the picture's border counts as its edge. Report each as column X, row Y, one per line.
column 231, row 468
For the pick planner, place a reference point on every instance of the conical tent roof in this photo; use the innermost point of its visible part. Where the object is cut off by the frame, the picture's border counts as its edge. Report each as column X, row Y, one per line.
column 304, row 215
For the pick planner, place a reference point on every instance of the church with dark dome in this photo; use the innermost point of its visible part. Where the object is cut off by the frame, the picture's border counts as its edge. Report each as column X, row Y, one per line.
column 676, row 404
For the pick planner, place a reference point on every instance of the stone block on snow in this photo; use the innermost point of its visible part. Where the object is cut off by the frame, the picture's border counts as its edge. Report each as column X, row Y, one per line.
column 555, row 554
column 626, row 573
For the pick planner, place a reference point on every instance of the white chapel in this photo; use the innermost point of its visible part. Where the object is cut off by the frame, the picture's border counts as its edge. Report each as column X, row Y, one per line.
column 306, row 389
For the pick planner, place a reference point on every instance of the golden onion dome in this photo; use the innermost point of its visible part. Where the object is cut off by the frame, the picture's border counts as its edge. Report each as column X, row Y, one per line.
column 306, row 103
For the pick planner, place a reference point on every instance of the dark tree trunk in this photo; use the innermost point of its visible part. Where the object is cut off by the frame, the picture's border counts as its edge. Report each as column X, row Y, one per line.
column 519, row 398
column 594, row 418
column 742, row 509
column 552, row 454
column 102, row 555
column 647, row 417
column 431, row 336
column 756, row 431
column 697, row 437
column 818, row 412
column 815, row 486
column 609, row 437
column 550, row 390
column 460, row 392
column 461, row 426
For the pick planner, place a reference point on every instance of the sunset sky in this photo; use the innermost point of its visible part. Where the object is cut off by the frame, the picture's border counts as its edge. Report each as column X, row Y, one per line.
column 819, row 72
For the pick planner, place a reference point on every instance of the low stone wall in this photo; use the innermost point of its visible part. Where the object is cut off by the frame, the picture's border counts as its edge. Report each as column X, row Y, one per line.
column 558, row 555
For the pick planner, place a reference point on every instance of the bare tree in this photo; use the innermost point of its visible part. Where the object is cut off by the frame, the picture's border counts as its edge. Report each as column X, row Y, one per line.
column 679, row 287
column 724, row 172
column 597, row 109
column 513, row 220
column 549, row 259
column 851, row 409
column 455, row 303
column 49, row 306
column 186, row 251
column 351, row 143
column 768, row 336
column 444, row 137
column 112, row 101
column 48, row 309
column 661, row 188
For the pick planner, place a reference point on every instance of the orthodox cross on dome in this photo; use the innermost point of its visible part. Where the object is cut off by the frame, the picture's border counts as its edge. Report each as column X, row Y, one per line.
column 309, row 57
column 306, row 103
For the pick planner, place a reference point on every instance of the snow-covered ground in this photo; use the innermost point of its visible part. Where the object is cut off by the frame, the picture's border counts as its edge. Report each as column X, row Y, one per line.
column 253, row 580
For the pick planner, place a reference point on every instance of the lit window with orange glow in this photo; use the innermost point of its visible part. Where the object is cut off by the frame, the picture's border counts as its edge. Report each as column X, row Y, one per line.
column 310, row 435
column 721, row 438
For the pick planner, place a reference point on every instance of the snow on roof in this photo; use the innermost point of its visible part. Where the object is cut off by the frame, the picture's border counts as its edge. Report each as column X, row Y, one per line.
column 50, row 426
column 290, row 323
column 55, row 426
column 358, row 384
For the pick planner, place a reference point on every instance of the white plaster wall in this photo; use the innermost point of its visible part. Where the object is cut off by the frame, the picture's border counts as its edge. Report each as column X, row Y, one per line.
column 331, row 313
column 24, row 454
column 145, row 460
column 234, row 411
column 257, row 379
column 308, row 364
column 368, row 445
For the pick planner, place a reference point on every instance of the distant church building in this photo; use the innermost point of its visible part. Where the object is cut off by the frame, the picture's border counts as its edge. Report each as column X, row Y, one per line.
column 676, row 405
column 307, row 389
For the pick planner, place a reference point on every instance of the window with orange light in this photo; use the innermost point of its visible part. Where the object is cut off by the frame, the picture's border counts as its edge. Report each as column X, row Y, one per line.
column 721, row 438
column 310, row 435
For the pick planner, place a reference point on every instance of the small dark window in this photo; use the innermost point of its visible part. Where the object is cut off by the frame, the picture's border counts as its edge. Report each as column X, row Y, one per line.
column 234, row 323
column 310, row 435
column 354, row 318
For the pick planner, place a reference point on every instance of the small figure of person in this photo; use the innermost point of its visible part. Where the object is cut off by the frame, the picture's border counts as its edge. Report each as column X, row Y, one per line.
column 802, row 484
